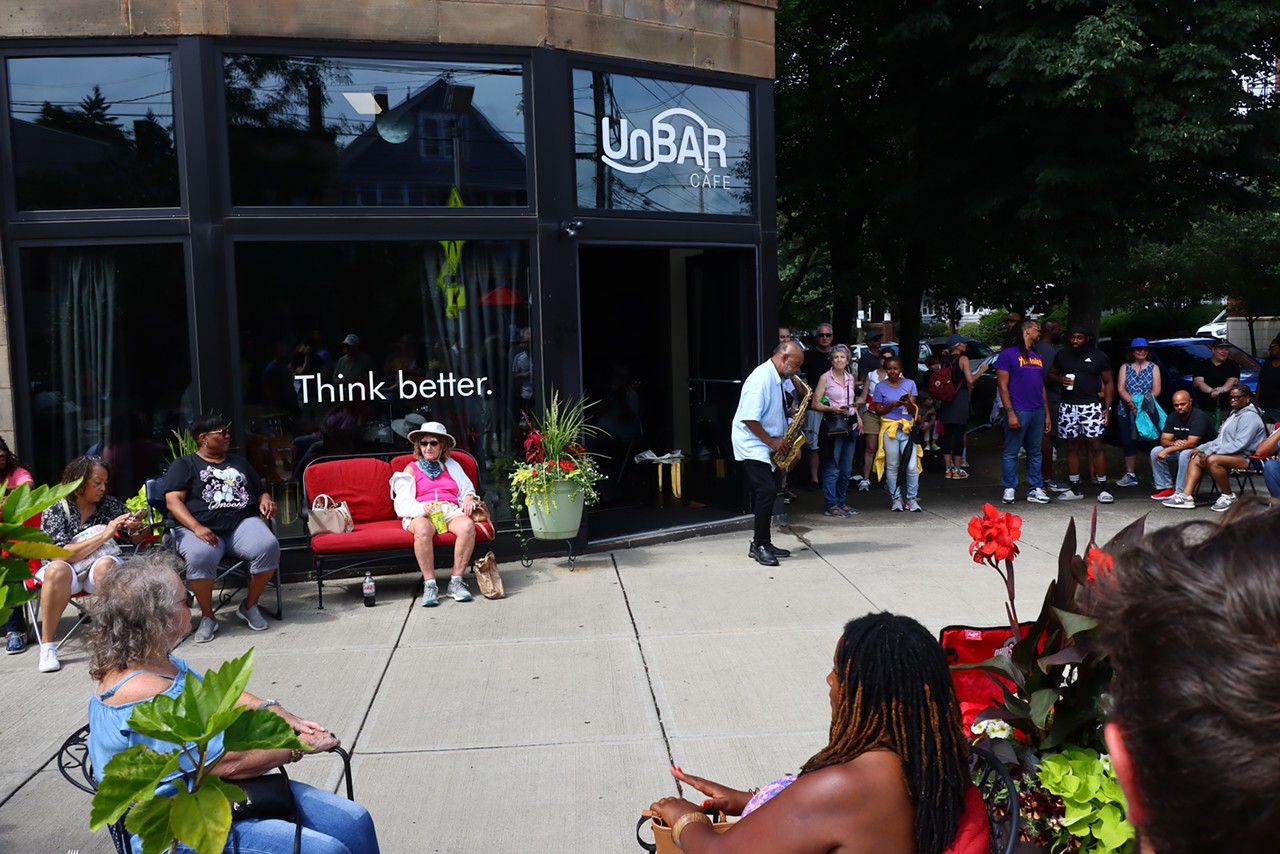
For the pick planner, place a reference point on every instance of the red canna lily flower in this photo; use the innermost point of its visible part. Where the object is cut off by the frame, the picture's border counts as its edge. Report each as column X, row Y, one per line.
column 567, row 465
column 995, row 535
column 1099, row 564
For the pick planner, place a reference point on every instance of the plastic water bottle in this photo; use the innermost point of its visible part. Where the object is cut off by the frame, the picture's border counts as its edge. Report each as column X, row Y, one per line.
column 368, row 590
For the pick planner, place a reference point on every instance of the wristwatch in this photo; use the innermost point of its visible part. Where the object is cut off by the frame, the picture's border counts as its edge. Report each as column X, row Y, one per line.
column 267, row 703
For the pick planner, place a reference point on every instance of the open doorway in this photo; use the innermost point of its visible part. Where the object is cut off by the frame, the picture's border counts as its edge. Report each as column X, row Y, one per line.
column 667, row 336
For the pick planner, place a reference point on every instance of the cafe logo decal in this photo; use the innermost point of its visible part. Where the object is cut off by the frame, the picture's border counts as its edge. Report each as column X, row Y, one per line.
column 677, row 136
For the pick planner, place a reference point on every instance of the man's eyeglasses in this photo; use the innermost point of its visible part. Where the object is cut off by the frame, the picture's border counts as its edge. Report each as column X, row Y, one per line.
column 826, row 334
column 1239, row 397
column 429, row 443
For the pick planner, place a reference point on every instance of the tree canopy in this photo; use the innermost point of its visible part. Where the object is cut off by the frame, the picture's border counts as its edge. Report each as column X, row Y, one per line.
column 984, row 151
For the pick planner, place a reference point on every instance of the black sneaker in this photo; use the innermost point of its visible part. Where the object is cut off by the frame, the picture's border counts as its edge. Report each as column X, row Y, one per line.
column 763, row 556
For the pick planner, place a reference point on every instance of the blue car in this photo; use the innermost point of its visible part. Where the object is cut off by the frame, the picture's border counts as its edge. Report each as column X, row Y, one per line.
column 1179, row 358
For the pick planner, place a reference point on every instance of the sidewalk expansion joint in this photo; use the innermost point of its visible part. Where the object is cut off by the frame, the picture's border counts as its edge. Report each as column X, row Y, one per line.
column 648, row 677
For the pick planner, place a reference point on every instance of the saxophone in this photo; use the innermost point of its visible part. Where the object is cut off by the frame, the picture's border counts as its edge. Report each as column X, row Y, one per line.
column 795, row 429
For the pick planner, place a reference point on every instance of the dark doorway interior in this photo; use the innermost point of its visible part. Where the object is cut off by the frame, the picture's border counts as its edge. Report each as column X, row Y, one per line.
column 666, row 339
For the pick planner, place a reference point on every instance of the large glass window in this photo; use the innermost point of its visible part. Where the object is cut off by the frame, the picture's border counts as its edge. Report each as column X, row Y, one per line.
column 642, row 144
column 93, row 132
column 346, row 346
column 107, row 357
column 375, row 133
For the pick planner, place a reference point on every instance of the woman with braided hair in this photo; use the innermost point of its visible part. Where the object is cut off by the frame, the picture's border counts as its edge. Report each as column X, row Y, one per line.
column 893, row 779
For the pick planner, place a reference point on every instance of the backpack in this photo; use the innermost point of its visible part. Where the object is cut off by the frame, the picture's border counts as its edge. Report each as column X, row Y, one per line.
column 941, row 383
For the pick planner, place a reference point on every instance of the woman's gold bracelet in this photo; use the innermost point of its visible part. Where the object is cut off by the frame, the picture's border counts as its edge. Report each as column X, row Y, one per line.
column 295, row 754
column 683, row 821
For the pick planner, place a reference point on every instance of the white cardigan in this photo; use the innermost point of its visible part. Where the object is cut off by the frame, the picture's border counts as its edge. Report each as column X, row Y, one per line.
column 404, row 490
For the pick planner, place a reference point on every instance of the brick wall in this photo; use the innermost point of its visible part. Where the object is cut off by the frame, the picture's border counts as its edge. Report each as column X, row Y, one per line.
column 733, row 36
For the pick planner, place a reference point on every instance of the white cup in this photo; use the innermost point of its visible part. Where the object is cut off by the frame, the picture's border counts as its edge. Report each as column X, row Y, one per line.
column 1071, row 382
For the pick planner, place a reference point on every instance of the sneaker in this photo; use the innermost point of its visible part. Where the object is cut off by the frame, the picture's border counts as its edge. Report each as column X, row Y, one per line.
column 1105, row 497
column 13, row 643
column 1071, row 495
column 857, row 478
column 864, row 485
column 913, row 506
column 964, row 462
column 896, row 506
column 458, row 589
column 959, row 474
column 252, row 615
column 1057, row 486
column 49, row 658
column 1224, row 501
column 1181, row 501
column 1009, row 496
column 206, row 630
column 848, row 511
column 1129, row 479
column 1038, row 496
column 951, row 472
column 1022, row 453
column 430, row 594
column 1162, row 494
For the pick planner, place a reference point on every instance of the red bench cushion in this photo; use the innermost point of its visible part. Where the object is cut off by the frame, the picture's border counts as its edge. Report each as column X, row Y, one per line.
column 363, row 482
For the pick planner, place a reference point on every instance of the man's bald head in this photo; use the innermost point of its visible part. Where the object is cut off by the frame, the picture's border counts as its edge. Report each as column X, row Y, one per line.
column 788, row 356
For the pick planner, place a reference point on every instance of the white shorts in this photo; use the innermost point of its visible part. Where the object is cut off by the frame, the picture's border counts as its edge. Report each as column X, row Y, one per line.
column 450, row 511
column 81, row 582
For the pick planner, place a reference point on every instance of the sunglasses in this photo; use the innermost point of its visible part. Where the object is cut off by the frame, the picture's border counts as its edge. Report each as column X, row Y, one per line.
column 225, row 431
column 1239, row 397
column 826, row 334
column 429, row 443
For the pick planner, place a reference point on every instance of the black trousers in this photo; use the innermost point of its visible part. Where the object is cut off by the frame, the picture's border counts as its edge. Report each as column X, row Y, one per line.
column 762, row 484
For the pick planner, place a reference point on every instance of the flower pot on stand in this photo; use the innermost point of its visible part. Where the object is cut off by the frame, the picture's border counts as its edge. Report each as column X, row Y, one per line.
column 559, row 516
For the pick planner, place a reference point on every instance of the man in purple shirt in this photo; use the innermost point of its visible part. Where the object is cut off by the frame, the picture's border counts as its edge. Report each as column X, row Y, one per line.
column 1020, row 372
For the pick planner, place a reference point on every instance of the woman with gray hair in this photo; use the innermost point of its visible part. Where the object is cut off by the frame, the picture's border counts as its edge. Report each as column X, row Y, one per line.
column 836, row 399
column 140, row 613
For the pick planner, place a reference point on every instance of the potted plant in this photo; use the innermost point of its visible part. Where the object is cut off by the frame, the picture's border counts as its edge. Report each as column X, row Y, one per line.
column 558, row 477
column 1052, row 675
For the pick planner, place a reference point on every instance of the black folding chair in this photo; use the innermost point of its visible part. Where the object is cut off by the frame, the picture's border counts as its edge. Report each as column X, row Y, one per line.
column 233, row 571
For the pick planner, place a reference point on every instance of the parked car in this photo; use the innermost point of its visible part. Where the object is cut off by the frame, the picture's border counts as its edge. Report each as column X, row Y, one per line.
column 1178, row 359
column 1216, row 328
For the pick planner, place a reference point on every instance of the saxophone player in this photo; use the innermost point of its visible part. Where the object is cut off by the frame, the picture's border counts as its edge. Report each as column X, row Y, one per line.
column 759, row 431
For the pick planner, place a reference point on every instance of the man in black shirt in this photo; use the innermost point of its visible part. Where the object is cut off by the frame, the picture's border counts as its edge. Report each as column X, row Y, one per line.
column 1088, row 391
column 870, row 359
column 1184, row 429
column 1214, row 378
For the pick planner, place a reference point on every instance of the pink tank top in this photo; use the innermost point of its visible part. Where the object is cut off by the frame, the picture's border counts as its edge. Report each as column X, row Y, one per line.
column 443, row 488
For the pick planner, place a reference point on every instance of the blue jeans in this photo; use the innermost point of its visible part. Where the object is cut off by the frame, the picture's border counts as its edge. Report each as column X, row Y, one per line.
column 892, row 458
column 1029, row 434
column 1271, row 474
column 331, row 824
column 1160, row 468
column 838, row 468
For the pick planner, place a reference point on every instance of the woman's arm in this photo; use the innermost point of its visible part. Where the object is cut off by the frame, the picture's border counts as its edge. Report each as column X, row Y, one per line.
column 969, row 376
column 819, row 390
column 1156, row 379
column 1123, row 387
column 176, row 504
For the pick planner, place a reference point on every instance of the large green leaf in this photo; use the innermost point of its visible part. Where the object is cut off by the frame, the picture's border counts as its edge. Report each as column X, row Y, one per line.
column 23, row 502
column 34, row 551
column 222, row 687
column 1041, row 705
column 260, row 729
column 151, row 822
column 130, row 777
column 162, row 718
column 201, row 819
column 1073, row 623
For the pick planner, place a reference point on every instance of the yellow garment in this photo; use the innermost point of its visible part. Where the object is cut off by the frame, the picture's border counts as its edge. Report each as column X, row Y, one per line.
column 890, row 429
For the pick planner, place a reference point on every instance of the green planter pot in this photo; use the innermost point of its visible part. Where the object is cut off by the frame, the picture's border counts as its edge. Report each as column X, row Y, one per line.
column 558, row 518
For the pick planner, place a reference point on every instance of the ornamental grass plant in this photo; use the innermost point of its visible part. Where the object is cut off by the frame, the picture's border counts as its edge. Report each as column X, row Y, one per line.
column 554, row 454
column 1052, row 675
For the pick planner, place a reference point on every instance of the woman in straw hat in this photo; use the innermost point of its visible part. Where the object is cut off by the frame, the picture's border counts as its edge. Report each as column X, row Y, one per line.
column 433, row 495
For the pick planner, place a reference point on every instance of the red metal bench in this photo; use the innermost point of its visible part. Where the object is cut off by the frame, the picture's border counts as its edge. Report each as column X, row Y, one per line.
column 379, row 538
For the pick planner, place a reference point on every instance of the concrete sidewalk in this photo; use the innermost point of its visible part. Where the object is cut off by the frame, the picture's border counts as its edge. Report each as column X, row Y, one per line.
column 546, row 721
